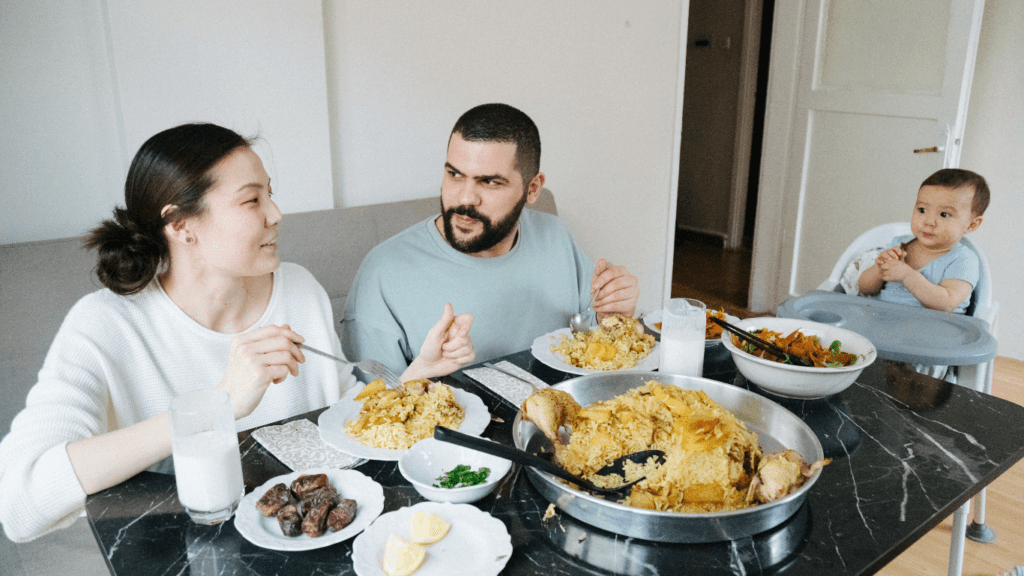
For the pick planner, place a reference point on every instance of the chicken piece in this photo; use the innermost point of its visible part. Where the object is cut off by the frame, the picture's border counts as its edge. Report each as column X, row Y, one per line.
column 780, row 474
column 418, row 387
column 551, row 409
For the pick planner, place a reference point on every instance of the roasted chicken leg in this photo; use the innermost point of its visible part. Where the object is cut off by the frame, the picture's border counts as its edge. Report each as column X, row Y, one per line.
column 780, row 474
column 549, row 410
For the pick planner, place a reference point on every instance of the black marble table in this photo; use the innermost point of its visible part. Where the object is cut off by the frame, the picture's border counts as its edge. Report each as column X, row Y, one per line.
column 907, row 451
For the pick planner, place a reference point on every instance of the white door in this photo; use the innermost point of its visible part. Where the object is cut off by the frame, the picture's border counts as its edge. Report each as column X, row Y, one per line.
column 866, row 98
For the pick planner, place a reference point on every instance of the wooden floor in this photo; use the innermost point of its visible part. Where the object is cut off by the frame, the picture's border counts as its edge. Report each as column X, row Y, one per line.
column 721, row 278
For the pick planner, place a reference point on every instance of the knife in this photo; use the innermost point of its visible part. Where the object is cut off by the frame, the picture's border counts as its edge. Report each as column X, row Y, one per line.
column 503, row 371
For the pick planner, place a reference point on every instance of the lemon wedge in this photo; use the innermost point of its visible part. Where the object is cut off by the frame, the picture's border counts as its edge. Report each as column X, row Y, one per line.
column 427, row 528
column 402, row 558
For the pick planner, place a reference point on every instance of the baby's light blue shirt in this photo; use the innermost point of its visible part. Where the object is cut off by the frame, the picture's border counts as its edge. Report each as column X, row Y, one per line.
column 960, row 262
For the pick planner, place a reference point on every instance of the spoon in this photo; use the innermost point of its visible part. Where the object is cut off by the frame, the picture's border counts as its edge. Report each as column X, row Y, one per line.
column 578, row 324
column 581, row 322
column 525, row 458
column 763, row 344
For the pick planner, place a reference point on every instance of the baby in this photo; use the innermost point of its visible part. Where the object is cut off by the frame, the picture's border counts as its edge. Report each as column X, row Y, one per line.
column 931, row 268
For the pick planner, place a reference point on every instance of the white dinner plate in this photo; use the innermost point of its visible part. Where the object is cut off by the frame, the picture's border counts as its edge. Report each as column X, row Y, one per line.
column 266, row 532
column 655, row 318
column 477, row 543
column 541, row 350
column 333, row 420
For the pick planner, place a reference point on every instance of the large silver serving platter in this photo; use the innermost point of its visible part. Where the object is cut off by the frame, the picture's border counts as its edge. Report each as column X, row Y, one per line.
column 776, row 427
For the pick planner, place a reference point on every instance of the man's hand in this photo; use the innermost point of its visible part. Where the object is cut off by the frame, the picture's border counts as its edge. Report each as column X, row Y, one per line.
column 446, row 348
column 613, row 290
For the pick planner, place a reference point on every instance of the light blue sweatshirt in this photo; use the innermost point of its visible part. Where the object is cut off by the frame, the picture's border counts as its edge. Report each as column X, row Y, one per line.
column 403, row 284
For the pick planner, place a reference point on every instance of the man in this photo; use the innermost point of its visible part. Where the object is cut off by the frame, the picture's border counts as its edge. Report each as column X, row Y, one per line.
column 519, row 272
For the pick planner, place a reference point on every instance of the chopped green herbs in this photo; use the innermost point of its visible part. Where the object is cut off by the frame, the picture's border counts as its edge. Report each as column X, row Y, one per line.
column 462, row 476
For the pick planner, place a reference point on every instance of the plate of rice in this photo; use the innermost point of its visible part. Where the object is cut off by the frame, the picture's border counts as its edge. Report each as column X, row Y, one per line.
column 617, row 345
column 385, row 428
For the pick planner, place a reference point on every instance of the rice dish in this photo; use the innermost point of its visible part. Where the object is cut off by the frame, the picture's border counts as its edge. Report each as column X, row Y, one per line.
column 710, row 456
column 397, row 419
column 618, row 343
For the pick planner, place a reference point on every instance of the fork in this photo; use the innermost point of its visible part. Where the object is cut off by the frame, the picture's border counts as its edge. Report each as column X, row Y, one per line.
column 371, row 367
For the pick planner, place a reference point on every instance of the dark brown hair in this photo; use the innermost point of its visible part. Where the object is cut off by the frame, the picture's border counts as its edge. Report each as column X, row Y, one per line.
column 503, row 123
column 171, row 168
column 955, row 178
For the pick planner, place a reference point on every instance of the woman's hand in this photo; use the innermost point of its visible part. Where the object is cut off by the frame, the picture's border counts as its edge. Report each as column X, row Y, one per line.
column 258, row 359
column 447, row 347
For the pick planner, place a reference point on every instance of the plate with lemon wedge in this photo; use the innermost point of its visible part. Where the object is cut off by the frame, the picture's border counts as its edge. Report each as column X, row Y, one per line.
column 432, row 539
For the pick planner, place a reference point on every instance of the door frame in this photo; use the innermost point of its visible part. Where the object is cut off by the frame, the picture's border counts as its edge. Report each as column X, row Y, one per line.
column 752, row 17
column 767, row 283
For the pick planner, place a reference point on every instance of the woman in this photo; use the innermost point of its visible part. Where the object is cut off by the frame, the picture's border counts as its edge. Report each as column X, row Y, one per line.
column 196, row 297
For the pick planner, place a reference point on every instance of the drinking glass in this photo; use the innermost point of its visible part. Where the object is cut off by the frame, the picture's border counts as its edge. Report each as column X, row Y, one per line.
column 207, row 463
column 683, row 326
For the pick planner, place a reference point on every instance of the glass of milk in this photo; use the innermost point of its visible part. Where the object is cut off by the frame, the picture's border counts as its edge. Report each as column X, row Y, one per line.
column 207, row 463
column 683, row 325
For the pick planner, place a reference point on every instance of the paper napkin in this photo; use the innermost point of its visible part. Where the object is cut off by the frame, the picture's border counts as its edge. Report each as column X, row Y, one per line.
column 298, row 445
column 515, row 391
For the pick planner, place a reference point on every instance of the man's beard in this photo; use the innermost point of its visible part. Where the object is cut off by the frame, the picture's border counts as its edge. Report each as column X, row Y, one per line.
column 491, row 234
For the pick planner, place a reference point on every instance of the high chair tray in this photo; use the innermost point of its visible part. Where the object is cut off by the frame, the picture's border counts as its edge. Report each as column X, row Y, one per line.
column 899, row 332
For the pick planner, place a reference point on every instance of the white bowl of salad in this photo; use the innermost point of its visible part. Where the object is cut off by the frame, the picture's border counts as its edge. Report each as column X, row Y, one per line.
column 833, row 374
column 444, row 472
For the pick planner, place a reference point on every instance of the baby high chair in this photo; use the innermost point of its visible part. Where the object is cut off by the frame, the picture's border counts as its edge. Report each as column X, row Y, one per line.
column 975, row 373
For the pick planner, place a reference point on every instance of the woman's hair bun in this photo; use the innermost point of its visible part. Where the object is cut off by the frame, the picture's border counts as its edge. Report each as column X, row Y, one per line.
column 128, row 258
column 172, row 168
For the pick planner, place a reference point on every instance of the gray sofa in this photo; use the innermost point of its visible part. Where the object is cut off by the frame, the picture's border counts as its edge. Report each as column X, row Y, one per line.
column 40, row 281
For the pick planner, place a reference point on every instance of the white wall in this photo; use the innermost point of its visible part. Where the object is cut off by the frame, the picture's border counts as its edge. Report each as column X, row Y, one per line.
column 60, row 151
column 354, row 98
column 83, row 83
column 600, row 79
column 994, row 147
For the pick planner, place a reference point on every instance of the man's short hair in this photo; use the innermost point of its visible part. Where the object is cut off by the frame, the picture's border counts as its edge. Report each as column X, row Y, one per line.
column 955, row 178
column 503, row 123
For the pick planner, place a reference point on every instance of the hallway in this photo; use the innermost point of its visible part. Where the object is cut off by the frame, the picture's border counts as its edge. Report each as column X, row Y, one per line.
column 704, row 270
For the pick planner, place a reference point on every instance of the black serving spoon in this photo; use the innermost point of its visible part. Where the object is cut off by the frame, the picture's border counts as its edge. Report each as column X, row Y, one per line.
column 525, row 458
column 763, row 344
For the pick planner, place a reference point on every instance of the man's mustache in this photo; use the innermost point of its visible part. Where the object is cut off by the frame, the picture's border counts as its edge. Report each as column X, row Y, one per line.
column 470, row 212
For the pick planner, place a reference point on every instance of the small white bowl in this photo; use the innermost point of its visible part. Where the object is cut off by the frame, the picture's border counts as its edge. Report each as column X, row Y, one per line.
column 802, row 382
column 430, row 459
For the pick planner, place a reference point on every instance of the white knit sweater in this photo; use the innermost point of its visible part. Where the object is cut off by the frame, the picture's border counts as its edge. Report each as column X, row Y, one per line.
column 119, row 360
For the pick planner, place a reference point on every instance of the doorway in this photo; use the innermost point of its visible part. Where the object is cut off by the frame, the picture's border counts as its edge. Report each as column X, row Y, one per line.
column 720, row 152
